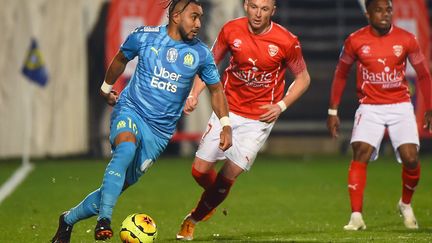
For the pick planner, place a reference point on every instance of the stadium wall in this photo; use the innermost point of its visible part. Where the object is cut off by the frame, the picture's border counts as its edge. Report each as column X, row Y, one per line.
column 59, row 110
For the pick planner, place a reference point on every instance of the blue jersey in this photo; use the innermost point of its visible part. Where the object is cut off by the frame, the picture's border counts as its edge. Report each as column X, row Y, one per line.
column 163, row 77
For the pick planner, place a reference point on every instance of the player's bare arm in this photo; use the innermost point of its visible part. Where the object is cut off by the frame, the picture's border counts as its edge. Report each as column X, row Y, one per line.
column 428, row 121
column 333, row 122
column 220, row 107
column 114, row 71
column 295, row 90
column 192, row 100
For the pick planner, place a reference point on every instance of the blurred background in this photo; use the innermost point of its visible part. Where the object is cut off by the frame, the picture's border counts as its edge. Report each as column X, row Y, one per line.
column 54, row 54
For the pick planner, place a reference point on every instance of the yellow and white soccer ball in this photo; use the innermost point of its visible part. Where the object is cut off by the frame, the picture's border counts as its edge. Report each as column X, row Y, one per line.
column 138, row 228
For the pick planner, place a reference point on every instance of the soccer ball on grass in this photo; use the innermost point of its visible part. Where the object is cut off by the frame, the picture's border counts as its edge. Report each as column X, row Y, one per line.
column 138, row 228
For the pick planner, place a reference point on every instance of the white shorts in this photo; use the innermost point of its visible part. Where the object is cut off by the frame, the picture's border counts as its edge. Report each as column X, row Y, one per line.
column 371, row 121
column 248, row 137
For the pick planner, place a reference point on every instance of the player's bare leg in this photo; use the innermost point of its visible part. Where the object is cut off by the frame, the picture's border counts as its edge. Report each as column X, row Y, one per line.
column 357, row 183
column 410, row 178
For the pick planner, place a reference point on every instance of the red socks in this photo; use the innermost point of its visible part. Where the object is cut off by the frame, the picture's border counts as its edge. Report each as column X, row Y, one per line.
column 356, row 184
column 205, row 180
column 410, row 179
column 212, row 197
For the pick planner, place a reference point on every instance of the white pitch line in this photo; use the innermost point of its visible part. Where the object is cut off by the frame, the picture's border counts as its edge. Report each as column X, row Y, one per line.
column 9, row 186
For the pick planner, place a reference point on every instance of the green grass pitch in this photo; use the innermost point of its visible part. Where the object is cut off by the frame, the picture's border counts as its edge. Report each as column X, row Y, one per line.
column 282, row 199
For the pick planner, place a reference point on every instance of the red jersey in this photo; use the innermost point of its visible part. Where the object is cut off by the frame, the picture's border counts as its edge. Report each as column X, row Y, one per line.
column 256, row 73
column 381, row 65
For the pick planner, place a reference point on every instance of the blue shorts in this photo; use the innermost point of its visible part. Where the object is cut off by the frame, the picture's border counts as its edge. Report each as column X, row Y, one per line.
column 149, row 146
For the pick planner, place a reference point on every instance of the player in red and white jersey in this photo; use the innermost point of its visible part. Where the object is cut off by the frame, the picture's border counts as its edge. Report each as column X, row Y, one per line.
column 256, row 72
column 261, row 52
column 381, row 51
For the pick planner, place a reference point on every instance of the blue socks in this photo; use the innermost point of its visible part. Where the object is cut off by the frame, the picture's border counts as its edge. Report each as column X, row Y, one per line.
column 87, row 208
column 114, row 178
column 103, row 200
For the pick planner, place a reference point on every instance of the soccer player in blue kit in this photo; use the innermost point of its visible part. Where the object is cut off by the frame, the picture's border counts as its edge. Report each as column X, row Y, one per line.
column 144, row 116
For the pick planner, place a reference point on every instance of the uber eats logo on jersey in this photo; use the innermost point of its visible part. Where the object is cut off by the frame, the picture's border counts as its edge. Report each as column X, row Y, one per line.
column 162, row 73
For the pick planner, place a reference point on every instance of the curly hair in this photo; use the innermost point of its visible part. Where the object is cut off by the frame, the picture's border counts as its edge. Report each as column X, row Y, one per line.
column 171, row 4
column 368, row 2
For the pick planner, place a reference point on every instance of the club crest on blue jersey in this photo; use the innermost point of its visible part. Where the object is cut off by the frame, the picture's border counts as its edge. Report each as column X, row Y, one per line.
column 188, row 60
column 172, row 55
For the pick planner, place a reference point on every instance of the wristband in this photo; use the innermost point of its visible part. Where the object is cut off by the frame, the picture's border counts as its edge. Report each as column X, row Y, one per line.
column 225, row 121
column 332, row 112
column 106, row 88
column 282, row 105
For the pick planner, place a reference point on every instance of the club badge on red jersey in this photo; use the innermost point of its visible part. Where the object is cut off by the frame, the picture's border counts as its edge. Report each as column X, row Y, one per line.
column 365, row 50
column 237, row 43
column 273, row 50
column 397, row 50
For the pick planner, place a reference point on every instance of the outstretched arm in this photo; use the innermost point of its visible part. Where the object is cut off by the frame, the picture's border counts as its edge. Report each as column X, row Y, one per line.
column 220, row 107
column 295, row 90
column 116, row 68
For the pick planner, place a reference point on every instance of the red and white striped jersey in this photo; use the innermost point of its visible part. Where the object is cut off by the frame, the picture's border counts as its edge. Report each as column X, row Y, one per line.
column 256, row 73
